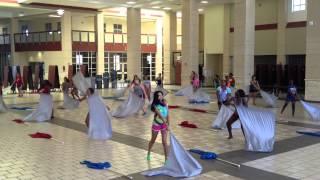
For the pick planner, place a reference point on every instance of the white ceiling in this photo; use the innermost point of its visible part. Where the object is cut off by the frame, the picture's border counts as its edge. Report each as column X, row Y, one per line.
column 102, row 4
column 8, row 10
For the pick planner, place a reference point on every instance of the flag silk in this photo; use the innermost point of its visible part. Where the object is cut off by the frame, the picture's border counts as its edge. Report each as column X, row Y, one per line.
column 129, row 107
column 186, row 91
column 259, row 128
column 220, row 122
column 180, row 163
column 80, row 82
column 312, row 110
column 270, row 99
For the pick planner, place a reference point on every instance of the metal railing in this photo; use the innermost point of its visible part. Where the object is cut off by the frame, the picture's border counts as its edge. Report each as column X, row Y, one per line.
column 4, row 39
column 38, row 37
column 83, row 36
column 110, row 37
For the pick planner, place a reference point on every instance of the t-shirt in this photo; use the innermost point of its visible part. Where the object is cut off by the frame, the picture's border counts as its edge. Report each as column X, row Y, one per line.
column 223, row 93
column 292, row 90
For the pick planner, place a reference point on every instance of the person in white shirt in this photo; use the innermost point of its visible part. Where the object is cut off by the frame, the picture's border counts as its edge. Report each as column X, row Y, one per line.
column 223, row 94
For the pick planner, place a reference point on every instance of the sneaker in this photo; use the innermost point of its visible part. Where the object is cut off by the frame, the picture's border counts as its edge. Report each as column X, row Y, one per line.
column 148, row 157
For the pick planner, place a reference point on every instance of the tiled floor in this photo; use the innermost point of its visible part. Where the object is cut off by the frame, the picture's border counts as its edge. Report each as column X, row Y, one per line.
column 22, row 157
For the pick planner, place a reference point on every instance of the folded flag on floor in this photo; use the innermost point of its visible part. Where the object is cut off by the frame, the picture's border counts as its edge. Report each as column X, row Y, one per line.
column 188, row 125
column 270, row 99
column 19, row 121
column 310, row 133
column 40, row 135
column 259, row 128
column 99, row 165
column 204, row 155
column 44, row 136
column 173, row 107
column 180, row 163
column 312, row 110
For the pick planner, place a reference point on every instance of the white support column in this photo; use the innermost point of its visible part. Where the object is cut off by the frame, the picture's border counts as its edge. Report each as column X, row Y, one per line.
column 312, row 81
column 226, row 64
column 134, row 42
column 190, row 39
column 66, row 39
column 169, row 45
column 159, row 56
column 100, row 42
column 16, row 58
column 244, row 34
column 281, row 31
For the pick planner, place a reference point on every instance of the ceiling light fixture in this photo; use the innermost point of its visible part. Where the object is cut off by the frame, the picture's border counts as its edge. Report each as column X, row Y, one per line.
column 167, row 8
column 21, row 14
column 204, row 2
column 60, row 12
column 200, row 10
column 54, row 16
column 156, row 7
column 131, row 2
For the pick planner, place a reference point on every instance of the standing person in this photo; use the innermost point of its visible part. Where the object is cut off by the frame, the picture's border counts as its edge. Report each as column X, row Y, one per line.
column 159, row 80
column 231, row 80
column 74, row 91
column 195, row 82
column 254, row 89
column 114, row 78
column 3, row 107
column 44, row 110
column 160, row 122
column 240, row 99
column 139, row 90
column 19, row 83
column 68, row 102
column 98, row 119
column 291, row 97
column 223, row 94
column 147, row 86
column 216, row 81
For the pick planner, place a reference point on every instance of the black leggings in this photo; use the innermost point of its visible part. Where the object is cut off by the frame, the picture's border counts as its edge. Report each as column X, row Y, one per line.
column 293, row 105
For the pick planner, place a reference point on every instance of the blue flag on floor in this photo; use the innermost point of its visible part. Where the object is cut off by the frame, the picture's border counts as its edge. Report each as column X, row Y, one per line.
column 310, row 133
column 204, row 155
column 99, row 166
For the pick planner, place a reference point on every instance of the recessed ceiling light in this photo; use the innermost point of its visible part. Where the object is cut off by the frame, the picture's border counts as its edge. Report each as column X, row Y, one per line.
column 60, row 12
column 200, row 10
column 166, row 8
column 204, row 2
column 53, row 15
column 156, row 7
column 131, row 2
column 21, row 14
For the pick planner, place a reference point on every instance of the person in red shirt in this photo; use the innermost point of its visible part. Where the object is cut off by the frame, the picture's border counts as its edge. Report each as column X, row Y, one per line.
column 231, row 80
column 19, row 83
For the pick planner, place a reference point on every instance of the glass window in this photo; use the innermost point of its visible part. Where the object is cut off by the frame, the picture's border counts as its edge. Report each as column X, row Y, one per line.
column 58, row 26
column 298, row 5
column 117, row 28
column 48, row 27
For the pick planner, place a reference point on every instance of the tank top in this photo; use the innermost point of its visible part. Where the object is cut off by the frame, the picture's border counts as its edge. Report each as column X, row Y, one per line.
column 163, row 110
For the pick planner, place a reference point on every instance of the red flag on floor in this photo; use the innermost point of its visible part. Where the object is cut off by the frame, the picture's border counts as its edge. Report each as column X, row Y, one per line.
column 187, row 124
column 40, row 135
column 173, row 107
column 19, row 121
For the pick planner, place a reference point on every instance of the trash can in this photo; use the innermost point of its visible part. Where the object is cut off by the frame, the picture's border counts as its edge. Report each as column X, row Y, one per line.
column 106, row 80
column 99, row 81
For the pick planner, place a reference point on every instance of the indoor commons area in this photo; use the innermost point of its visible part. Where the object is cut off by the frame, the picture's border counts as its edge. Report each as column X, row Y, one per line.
column 159, row 89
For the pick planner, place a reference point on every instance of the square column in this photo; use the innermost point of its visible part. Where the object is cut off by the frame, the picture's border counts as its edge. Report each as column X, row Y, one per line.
column 226, row 64
column 17, row 58
column 312, row 81
column 244, row 34
column 99, row 21
column 281, row 31
column 169, row 45
column 190, row 40
column 134, row 42
column 66, row 39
